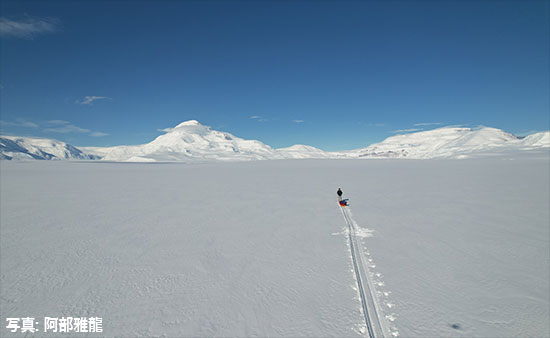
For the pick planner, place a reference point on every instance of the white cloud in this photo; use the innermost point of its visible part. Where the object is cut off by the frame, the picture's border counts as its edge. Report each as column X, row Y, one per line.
column 254, row 117
column 405, row 130
column 98, row 134
column 258, row 118
column 57, row 122
column 19, row 123
column 298, row 121
column 27, row 28
column 54, row 126
column 91, row 99
column 67, row 128
column 427, row 124
column 28, row 124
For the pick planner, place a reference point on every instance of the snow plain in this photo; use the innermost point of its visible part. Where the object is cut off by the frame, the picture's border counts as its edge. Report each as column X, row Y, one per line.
column 457, row 247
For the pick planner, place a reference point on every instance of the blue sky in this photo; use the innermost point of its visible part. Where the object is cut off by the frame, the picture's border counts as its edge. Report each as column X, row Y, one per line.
column 332, row 74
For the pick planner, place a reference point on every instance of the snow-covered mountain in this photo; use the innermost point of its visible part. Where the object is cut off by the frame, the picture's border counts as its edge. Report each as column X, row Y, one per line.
column 537, row 140
column 303, row 151
column 451, row 142
column 187, row 141
column 191, row 141
column 25, row 148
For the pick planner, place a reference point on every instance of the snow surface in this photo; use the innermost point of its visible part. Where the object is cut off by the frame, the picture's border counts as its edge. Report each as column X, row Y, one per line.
column 456, row 248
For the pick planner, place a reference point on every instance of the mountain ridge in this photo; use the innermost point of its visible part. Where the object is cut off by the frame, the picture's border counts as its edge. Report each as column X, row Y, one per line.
column 191, row 141
column 27, row 148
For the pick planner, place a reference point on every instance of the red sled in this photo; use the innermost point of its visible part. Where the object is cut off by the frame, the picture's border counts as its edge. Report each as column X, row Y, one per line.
column 343, row 203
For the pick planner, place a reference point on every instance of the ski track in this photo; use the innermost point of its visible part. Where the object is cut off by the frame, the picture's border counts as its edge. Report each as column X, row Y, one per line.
column 374, row 317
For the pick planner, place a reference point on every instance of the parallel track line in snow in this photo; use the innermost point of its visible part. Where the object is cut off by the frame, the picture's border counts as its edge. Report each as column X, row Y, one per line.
column 371, row 310
column 358, row 278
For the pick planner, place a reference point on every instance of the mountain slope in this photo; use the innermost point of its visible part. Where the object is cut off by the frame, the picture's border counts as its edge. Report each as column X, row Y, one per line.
column 25, row 148
column 537, row 140
column 303, row 151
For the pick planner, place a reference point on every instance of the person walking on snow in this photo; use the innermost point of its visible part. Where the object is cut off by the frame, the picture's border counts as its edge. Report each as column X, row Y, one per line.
column 339, row 193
